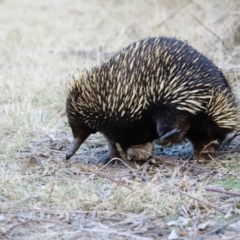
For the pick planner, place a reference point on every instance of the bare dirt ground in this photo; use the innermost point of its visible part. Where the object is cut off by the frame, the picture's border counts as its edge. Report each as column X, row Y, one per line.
column 42, row 43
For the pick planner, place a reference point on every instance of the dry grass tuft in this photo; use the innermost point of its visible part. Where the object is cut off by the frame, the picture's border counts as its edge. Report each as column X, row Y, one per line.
column 42, row 195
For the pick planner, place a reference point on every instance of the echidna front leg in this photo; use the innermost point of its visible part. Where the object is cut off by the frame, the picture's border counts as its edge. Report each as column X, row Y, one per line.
column 112, row 153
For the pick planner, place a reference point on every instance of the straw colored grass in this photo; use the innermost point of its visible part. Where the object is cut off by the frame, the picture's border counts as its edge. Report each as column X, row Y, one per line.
column 44, row 196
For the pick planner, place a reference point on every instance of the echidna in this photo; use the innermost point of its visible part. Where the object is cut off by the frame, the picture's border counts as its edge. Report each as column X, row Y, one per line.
column 156, row 88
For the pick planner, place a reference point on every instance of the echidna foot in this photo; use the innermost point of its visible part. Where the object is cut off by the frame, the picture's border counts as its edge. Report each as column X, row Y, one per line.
column 112, row 153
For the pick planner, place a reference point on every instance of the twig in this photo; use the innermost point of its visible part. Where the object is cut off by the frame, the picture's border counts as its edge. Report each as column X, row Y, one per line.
column 50, row 192
column 51, row 211
column 119, row 159
column 228, row 141
column 88, row 53
column 31, row 221
column 201, row 201
column 228, row 54
column 237, row 194
column 173, row 14
column 184, row 164
column 130, row 236
column 195, row 198
column 102, row 175
column 214, row 230
column 208, row 29
column 143, row 174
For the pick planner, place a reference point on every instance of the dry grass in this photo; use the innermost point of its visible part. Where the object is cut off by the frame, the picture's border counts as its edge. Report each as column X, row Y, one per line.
column 41, row 195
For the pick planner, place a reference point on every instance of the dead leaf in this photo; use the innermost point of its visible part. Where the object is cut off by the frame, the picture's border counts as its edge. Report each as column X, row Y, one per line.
column 235, row 226
column 32, row 161
column 205, row 225
column 173, row 235
column 140, row 153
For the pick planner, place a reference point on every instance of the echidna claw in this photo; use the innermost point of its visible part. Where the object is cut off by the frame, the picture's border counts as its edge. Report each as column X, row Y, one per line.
column 103, row 159
column 171, row 133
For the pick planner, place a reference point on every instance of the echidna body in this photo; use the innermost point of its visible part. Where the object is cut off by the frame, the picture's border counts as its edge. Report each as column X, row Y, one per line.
column 156, row 88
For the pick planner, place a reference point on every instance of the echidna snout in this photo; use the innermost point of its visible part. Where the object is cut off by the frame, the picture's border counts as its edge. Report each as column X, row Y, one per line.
column 80, row 133
column 73, row 148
